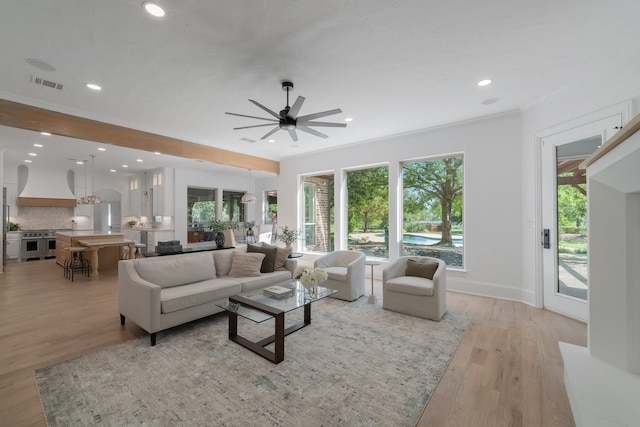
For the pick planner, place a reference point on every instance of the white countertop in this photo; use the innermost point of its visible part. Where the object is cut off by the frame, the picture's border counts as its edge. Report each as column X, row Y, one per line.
column 81, row 233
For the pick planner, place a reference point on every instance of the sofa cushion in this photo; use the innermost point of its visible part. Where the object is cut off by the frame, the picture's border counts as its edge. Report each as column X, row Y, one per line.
column 282, row 254
column 336, row 273
column 411, row 285
column 222, row 260
column 176, row 270
column 265, row 280
column 269, row 257
column 245, row 264
column 421, row 268
column 181, row 297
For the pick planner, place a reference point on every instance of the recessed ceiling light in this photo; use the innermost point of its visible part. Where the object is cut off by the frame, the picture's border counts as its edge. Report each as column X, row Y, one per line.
column 490, row 101
column 102, row 149
column 33, row 154
column 484, row 82
column 79, row 162
column 38, row 145
column 45, row 133
column 348, row 119
column 157, row 153
column 93, row 86
column 125, row 166
column 272, row 140
column 112, row 170
column 28, row 161
column 153, row 9
column 139, row 160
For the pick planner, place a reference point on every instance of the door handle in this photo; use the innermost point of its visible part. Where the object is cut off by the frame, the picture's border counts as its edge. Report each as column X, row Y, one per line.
column 545, row 239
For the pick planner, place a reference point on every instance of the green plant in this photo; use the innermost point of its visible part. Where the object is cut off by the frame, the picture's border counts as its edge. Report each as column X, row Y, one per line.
column 132, row 222
column 250, row 224
column 218, row 225
column 287, row 235
column 14, row 226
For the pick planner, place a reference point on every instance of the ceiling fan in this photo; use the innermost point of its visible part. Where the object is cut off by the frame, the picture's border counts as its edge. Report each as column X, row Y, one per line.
column 289, row 120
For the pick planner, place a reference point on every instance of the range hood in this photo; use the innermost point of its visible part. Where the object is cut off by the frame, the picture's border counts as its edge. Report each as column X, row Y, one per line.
column 45, row 188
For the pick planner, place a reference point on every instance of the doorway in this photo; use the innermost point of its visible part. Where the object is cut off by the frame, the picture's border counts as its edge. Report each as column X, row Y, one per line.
column 564, row 213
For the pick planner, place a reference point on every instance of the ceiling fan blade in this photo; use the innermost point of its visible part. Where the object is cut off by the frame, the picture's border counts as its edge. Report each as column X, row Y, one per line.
column 277, row 116
column 318, row 115
column 253, row 126
column 323, row 124
column 311, row 131
column 293, row 134
column 252, row 117
column 271, row 132
column 295, row 108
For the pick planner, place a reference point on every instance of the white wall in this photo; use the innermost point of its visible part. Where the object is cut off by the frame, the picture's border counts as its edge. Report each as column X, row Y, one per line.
column 492, row 206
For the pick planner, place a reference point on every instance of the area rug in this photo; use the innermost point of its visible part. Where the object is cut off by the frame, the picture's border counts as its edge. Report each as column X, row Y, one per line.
column 355, row 365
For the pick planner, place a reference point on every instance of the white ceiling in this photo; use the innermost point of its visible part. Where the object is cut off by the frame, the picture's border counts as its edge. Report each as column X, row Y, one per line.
column 394, row 66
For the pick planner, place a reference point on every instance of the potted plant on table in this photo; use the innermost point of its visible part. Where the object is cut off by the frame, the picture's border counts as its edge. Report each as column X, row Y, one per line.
column 287, row 235
column 219, row 226
column 249, row 226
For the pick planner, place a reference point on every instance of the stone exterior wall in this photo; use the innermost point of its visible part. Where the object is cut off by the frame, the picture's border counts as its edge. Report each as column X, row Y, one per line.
column 323, row 213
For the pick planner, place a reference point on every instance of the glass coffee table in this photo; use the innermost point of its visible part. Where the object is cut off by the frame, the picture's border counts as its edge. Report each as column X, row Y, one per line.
column 260, row 305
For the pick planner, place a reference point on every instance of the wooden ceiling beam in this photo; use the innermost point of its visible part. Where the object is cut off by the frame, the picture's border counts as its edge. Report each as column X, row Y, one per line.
column 24, row 116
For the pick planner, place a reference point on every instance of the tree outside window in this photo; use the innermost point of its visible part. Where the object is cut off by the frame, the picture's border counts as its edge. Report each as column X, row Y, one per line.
column 317, row 234
column 368, row 210
column 433, row 210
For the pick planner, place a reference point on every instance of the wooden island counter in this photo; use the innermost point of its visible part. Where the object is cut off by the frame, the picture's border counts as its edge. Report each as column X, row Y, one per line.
column 105, row 249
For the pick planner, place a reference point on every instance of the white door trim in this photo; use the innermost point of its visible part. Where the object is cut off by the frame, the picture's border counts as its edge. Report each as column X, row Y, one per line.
column 625, row 110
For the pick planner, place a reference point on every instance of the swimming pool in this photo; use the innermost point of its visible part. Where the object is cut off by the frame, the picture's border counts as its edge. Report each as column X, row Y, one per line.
column 424, row 240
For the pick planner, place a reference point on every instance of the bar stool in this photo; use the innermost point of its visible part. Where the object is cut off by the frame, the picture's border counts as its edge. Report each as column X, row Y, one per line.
column 139, row 247
column 76, row 262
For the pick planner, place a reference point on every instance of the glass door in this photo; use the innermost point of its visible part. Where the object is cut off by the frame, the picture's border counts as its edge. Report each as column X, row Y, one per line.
column 564, row 215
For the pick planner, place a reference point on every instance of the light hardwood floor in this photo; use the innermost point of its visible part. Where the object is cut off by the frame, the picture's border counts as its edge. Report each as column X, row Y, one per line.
column 507, row 370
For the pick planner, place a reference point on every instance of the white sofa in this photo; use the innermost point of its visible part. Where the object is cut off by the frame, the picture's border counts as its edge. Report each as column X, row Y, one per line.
column 162, row 292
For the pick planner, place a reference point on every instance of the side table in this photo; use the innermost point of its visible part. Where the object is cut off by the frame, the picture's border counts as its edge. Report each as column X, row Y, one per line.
column 372, row 263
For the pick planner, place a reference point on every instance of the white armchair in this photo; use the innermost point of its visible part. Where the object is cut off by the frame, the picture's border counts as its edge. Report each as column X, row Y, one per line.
column 413, row 294
column 346, row 273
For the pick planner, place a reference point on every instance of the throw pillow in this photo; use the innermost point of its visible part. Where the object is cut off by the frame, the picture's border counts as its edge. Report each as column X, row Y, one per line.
column 269, row 257
column 245, row 264
column 421, row 268
column 281, row 256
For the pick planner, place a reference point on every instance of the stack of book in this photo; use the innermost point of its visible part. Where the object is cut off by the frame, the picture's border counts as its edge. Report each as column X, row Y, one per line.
column 278, row 291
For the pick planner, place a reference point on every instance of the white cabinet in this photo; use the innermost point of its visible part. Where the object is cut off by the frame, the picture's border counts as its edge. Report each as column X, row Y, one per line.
column 162, row 192
column 132, row 234
column 134, row 197
column 13, row 246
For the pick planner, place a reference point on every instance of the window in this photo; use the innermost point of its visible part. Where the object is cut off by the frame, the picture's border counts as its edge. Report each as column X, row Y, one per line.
column 201, row 206
column 317, row 230
column 232, row 209
column 368, row 211
column 432, row 209
column 270, row 206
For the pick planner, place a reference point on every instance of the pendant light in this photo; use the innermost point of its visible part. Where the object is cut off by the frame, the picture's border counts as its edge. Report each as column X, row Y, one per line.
column 91, row 199
column 249, row 197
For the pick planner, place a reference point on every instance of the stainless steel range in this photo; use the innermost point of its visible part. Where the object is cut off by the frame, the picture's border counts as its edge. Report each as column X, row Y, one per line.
column 38, row 244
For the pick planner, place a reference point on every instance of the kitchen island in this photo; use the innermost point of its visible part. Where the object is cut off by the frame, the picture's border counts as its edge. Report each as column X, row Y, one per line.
column 105, row 249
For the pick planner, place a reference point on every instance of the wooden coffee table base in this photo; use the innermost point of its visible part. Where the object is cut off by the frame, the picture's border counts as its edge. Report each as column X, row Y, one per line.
column 276, row 356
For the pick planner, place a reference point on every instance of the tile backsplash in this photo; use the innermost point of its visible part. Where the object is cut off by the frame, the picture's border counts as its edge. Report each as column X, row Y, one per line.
column 39, row 218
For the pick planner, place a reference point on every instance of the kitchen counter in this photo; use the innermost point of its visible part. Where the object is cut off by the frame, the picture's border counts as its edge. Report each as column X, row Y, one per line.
column 109, row 254
column 84, row 233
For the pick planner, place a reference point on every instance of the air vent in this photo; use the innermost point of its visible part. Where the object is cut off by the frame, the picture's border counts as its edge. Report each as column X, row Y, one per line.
column 47, row 83
column 248, row 140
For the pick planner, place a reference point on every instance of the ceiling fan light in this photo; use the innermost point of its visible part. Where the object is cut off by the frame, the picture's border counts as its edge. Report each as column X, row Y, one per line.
column 248, row 198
